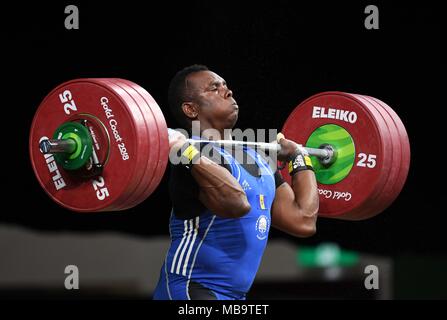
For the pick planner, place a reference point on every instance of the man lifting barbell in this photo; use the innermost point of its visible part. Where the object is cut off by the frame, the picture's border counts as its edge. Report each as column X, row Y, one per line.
column 222, row 213
column 102, row 144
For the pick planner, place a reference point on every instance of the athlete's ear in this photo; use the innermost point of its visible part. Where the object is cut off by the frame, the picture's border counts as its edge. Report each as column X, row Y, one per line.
column 191, row 110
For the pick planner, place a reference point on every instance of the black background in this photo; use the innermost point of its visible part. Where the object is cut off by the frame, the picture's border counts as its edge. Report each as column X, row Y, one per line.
column 273, row 55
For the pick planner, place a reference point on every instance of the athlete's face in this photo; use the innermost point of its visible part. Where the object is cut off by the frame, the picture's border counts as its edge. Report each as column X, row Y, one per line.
column 215, row 105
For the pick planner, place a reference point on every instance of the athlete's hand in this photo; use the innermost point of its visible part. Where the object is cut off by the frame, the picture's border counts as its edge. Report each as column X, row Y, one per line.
column 176, row 140
column 289, row 149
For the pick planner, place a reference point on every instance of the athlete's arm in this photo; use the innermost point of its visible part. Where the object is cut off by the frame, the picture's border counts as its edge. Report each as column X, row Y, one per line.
column 219, row 190
column 294, row 209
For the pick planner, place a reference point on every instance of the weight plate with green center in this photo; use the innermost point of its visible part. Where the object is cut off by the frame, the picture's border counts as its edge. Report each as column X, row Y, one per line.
column 342, row 142
column 79, row 157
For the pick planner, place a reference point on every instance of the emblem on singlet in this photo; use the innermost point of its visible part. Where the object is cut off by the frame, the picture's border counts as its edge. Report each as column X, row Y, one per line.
column 262, row 226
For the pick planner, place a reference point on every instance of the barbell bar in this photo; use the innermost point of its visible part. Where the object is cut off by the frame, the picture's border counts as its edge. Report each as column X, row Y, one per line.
column 325, row 153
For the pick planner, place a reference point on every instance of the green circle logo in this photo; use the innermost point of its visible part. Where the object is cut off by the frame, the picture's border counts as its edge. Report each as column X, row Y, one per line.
column 342, row 142
column 84, row 145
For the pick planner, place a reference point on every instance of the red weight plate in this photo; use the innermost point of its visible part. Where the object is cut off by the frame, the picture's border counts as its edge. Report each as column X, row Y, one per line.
column 378, row 202
column 124, row 126
column 153, row 175
column 148, row 172
column 163, row 138
column 404, row 165
column 146, row 142
column 372, row 205
column 351, row 195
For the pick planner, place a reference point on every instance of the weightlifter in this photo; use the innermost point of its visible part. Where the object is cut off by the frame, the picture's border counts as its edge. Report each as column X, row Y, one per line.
column 223, row 205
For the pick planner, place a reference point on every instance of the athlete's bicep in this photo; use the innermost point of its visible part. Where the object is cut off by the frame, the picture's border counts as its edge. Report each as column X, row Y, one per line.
column 286, row 214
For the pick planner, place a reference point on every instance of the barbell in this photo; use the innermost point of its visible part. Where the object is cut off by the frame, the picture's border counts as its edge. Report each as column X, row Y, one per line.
column 102, row 145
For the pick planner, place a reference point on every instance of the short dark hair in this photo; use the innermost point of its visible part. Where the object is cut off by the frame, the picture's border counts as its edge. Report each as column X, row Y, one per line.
column 178, row 92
